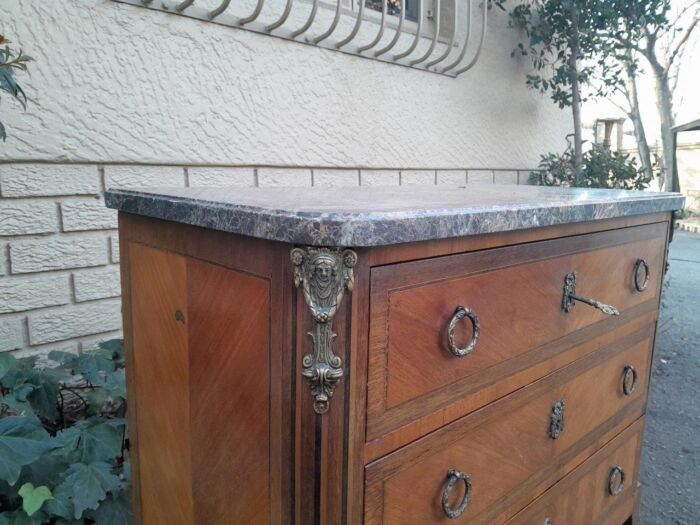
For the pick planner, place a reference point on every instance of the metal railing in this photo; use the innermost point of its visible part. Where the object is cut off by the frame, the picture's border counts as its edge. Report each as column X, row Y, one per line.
column 451, row 57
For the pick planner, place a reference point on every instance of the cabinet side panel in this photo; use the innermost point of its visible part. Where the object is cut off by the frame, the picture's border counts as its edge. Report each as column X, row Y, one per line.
column 229, row 340
column 160, row 375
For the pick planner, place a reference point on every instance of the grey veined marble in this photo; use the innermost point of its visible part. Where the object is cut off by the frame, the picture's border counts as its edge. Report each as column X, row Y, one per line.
column 374, row 216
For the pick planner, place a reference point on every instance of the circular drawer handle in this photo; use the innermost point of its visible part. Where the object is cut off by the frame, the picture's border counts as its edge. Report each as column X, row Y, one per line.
column 548, row 521
column 453, row 477
column 615, row 487
column 629, row 380
column 460, row 314
column 644, row 284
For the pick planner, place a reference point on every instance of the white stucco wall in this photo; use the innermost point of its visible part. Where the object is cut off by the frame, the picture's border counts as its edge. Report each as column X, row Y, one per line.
column 125, row 96
column 117, row 82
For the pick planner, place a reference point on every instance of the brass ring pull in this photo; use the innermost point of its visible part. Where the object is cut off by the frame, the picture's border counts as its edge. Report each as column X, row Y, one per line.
column 460, row 314
column 641, row 264
column 629, row 380
column 615, row 488
column 453, row 477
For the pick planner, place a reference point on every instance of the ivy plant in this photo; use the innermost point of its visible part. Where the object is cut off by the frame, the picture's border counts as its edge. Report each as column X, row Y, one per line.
column 10, row 62
column 63, row 446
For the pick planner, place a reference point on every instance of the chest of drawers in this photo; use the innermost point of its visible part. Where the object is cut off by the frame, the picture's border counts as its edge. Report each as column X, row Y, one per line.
column 388, row 356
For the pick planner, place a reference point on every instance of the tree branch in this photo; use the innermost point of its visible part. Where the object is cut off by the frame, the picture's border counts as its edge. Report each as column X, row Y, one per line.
column 680, row 44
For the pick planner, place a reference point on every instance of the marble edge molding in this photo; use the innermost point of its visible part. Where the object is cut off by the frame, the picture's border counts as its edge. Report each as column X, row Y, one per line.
column 376, row 229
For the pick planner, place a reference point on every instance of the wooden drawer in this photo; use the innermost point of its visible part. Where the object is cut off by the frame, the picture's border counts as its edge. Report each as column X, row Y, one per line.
column 589, row 495
column 516, row 293
column 507, row 448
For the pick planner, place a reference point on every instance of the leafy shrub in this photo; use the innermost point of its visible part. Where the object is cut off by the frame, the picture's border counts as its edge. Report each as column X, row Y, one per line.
column 602, row 168
column 63, row 458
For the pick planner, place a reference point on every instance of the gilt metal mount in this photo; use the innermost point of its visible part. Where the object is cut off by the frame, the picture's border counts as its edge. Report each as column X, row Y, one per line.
column 569, row 299
column 323, row 274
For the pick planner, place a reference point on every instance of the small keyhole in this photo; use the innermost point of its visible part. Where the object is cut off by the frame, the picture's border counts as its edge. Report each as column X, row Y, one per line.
column 179, row 316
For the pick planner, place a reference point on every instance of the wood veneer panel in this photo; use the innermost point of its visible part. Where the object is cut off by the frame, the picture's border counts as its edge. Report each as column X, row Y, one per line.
column 515, row 291
column 582, row 496
column 505, row 447
column 160, row 379
column 229, row 341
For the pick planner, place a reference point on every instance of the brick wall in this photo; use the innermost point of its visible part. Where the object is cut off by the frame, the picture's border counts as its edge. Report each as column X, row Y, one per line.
column 59, row 250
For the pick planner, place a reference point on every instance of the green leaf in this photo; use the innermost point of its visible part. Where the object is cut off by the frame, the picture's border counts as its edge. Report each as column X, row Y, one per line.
column 22, row 441
column 34, row 497
column 90, row 441
column 62, row 503
column 44, row 398
column 89, row 485
column 18, row 517
column 115, row 510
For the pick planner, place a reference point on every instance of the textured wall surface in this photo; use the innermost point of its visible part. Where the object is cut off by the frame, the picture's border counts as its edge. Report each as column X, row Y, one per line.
column 126, row 97
column 114, row 82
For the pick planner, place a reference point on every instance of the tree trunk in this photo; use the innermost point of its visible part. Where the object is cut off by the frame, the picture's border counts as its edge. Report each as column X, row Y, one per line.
column 636, row 118
column 664, row 106
column 576, row 92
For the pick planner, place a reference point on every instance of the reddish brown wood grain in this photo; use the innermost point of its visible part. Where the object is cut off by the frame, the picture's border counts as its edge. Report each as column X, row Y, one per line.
column 505, row 448
column 160, row 377
column 582, row 496
column 222, row 423
column 229, row 361
column 516, row 292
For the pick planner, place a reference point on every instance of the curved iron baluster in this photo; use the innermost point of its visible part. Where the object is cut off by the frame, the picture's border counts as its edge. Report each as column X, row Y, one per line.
column 449, row 46
column 435, row 36
column 323, row 36
column 419, row 26
column 356, row 27
column 397, row 35
column 282, row 19
column 380, row 33
column 463, row 53
column 255, row 14
column 222, row 7
column 183, row 5
column 309, row 21
column 479, row 48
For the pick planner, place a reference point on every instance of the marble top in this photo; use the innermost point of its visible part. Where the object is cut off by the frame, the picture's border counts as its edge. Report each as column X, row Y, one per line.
column 374, row 216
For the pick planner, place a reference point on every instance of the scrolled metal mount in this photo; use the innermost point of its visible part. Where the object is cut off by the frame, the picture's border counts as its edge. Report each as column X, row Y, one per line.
column 569, row 299
column 453, row 476
column 323, row 274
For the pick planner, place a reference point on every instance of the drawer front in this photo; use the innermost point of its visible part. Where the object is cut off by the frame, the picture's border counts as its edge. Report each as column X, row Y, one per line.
column 603, row 486
column 517, row 445
column 516, row 294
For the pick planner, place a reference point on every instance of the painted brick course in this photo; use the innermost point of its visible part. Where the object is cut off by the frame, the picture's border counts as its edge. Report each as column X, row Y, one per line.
column 29, row 292
column 199, row 176
column 57, row 253
column 417, row 177
column 379, row 177
column 100, row 283
column 74, row 321
column 268, row 177
column 143, row 176
column 11, row 333
column 87, row 215
column 336, row 177
column 30, row 180
column 27, row 216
